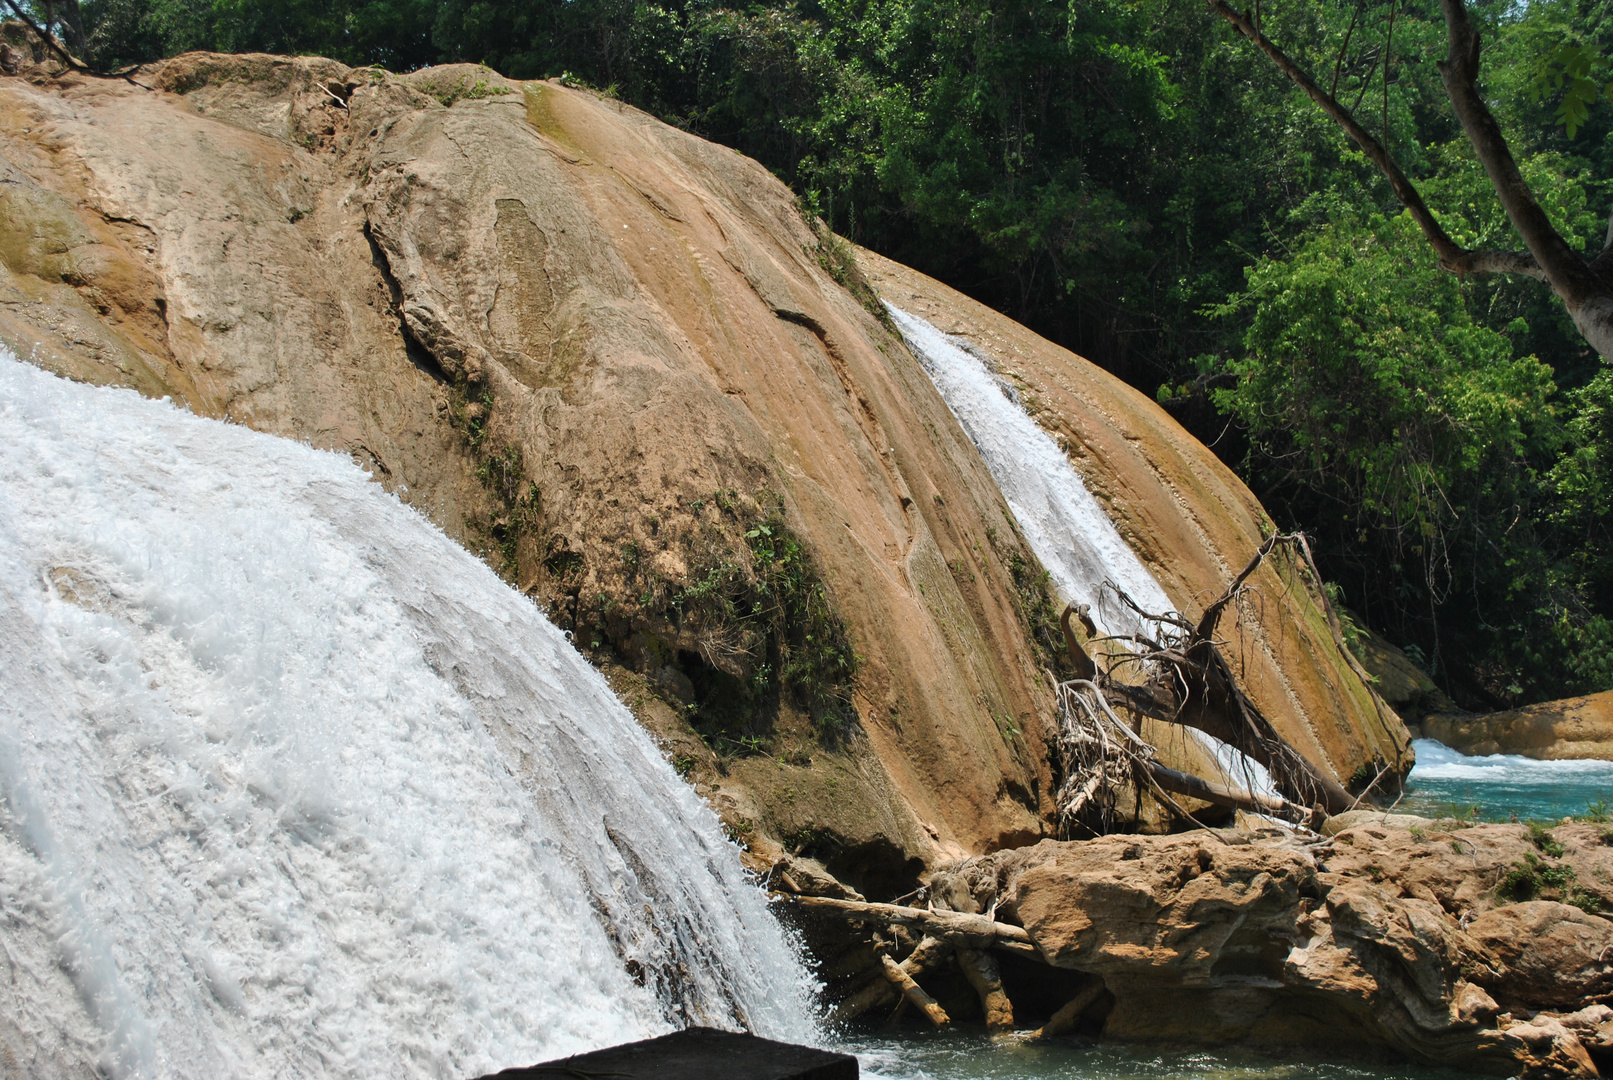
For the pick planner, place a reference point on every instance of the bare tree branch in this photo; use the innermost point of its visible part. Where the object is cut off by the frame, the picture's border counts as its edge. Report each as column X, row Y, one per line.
column 1452, row 256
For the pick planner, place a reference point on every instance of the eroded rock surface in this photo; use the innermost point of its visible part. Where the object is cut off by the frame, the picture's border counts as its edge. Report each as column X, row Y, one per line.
column 1580, row 727
column 606, row 355
column 1190, row 520
column 1379, row 939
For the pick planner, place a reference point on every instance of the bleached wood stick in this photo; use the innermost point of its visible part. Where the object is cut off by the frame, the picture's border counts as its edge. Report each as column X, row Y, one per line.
column 915, row 993
column 953, row 927
column 928, row 954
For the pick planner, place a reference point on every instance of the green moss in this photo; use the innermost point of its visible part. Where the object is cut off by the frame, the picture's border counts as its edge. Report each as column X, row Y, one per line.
column 767, row 627
column 1530, row 878
column 448, row 88
column 1543, row 840
column 517, row 500
column 839, row 260
column 1037, row 605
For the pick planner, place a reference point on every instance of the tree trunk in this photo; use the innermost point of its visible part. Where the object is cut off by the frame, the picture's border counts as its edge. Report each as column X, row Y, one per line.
column 980, row 968
column 915, row 993
column 1585, row 288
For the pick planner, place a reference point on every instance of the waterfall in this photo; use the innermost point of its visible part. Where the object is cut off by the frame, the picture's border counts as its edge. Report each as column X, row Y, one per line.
column 1061, row 520
column 292, row 785
column 1064, row 524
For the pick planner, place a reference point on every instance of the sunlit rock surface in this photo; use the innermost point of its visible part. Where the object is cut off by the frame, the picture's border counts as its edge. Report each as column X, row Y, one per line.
column 597, row 349
column 1380, row 940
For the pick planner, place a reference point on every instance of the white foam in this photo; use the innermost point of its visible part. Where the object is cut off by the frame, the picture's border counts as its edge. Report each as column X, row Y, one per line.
column 1436, row 761
column 1061, row 520
column 291, row 785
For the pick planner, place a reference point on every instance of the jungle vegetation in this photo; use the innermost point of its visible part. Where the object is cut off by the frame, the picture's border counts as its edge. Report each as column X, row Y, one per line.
column 1144, row 182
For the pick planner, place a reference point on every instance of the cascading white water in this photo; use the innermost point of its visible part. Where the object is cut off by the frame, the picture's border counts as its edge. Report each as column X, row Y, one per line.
column 292, row 785
column 1062, row 522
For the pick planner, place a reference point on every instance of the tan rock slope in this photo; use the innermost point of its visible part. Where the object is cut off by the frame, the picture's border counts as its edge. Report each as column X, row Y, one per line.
column 616, row 360
column 1580, row 727
column 1185, row 514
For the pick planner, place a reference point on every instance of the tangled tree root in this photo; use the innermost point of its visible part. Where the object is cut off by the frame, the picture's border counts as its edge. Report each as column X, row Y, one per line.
column 1174, row 671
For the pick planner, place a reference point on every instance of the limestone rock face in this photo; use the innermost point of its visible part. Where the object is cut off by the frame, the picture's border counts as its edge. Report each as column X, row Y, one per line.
column 1189, row 518
column 1389, row 939
column 604, row 353
column 1554, row 956
column 592, row 347
column 1580, row 727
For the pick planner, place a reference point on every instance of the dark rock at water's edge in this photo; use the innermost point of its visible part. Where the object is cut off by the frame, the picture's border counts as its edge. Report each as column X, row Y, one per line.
column 697, row 1054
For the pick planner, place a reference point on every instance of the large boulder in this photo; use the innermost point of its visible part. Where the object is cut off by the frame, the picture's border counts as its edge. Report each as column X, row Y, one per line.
column 1548, row 955
column 1580, row 727
column 618, row 362
column 1377, row 940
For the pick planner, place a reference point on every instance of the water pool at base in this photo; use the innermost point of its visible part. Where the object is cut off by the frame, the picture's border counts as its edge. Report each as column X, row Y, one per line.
column 1445, row 783
column 934, row 1055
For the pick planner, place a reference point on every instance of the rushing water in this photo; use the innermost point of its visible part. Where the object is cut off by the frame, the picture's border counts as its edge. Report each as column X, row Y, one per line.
column 1503, row 787
column 292, row 785
column 1062, row 522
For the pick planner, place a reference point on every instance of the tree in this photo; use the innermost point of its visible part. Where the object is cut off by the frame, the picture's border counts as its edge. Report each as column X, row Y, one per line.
column 1585, row 286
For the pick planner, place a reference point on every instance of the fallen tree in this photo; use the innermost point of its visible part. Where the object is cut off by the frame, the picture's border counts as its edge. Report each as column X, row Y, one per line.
column 1174, row 671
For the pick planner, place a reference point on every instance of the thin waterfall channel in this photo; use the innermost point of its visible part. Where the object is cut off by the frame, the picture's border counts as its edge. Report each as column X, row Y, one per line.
column 1061, row 520
column 293, row 785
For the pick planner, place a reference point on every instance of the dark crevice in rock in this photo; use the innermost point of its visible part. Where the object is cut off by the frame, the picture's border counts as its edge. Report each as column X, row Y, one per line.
column 420, row 356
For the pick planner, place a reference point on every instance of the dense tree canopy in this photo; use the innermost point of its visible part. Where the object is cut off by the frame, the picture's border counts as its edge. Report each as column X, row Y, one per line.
column 1134, row 180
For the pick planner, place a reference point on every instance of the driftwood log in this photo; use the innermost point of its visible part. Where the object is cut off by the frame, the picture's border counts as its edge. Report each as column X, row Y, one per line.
column 952, row 927
column 946, row 933
column 1177, row 673
column 914, row 993
column 929, row 954
column 980, row 968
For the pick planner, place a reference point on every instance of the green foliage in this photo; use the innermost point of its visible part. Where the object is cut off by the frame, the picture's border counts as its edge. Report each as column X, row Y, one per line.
column 518, row 501
column 1577, row 76
column 1425, row 447
column 1110, row 172
column 1542, row 839
column 767, row 630
column 1530, row 879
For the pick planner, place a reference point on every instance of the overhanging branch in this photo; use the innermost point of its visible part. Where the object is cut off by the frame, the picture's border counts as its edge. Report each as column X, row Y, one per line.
column 1452, row 256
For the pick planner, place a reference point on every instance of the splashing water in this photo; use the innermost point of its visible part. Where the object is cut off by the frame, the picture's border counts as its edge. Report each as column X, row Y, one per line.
column 1445, row 782
column 1062, row 522
column 292, row 785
